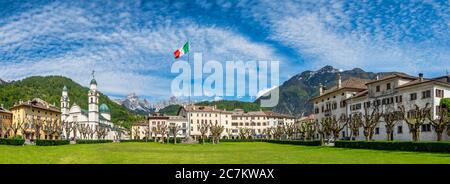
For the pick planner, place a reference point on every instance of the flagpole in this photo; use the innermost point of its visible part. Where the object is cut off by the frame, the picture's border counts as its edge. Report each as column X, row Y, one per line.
column 189, row 55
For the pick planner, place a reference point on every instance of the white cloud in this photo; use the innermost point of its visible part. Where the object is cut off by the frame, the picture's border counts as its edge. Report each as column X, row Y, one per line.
column 127, row 59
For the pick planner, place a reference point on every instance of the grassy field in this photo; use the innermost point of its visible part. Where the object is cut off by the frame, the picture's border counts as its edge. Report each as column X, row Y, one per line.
column 244, row 153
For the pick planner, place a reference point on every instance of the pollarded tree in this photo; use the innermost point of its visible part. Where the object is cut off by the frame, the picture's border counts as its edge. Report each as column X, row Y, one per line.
column 155, row 131
column 48, row 130
column 390, row 119
column 242, row 133
column 309, row 129
column 371, row 119
column 354, row 123
column 322, row 128
column 90, row 131
column 216, row 130
column 82, row 129
column 148, row 132
column 337, row 125
column 15, row 127
column 415, row 118
column 204, row 127
column 441, row 122
column 164, row 131
column 136, row 132
column 58, row 129
column 289, row 130
column 4, row 129
column 229, row 133
column 68, row 127
column 174, row 129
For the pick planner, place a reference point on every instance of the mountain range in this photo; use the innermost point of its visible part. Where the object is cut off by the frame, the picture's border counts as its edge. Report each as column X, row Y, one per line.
column 296, row 93
column 133, row 103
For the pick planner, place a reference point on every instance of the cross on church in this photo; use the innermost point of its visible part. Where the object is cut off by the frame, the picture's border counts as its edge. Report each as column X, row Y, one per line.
column 93, row 74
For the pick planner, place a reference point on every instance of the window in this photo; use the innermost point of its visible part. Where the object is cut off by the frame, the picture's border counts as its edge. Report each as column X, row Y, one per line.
column 426, row 128
column 426, row 94
column 388, row 86
column 342, row 104
column 316, row 111
column 400, row 129
column 378, row 88
column 334, row 105
column 440, row 93
column 355, row 107
column 398, row 99
column 413, row 96
column 377, row 130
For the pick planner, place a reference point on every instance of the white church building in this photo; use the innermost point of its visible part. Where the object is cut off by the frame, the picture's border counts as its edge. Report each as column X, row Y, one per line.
column 88, row 121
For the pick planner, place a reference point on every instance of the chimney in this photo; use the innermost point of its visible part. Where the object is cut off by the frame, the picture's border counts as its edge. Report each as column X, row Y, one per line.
column 320, row 89
column 1, row 106
column 420, row 76
column 377, row 77
column 339, row 82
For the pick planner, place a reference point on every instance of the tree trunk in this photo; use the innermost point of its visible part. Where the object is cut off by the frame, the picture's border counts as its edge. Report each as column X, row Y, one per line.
column 438, row 135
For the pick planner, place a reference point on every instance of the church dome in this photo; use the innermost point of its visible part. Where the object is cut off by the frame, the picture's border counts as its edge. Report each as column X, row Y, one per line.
column 104, row 108
column 64, row 88
column 93, row 81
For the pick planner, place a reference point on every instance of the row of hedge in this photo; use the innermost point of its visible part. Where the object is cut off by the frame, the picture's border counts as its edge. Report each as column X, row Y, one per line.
column 51, row 142
column 15, row 142
column 296, row 142
column 93, row 141
column 397, row 146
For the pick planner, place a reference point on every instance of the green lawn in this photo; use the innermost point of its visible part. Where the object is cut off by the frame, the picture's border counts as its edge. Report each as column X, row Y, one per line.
column 245, row 153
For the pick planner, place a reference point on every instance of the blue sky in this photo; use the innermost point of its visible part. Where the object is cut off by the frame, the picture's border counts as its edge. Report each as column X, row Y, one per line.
column 130, row 43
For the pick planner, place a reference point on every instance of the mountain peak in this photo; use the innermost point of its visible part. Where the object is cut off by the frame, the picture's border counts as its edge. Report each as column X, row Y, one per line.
column 327, row 69
column 133, row 103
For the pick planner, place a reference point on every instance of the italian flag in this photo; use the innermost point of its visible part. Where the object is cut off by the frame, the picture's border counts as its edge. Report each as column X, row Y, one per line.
column 182, row 51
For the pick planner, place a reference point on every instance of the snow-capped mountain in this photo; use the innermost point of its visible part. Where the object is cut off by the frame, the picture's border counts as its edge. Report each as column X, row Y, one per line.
column 133, row 103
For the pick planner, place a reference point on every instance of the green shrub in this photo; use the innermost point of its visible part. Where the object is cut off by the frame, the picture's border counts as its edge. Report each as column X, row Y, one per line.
column 51, row 142
column 15, row 142
column 93, row 141
column 242, row 140
column 398, row 146
column 137, row 140
column 296, row 142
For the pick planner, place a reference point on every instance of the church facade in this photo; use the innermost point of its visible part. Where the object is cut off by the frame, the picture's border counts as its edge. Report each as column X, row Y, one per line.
column 93, row 123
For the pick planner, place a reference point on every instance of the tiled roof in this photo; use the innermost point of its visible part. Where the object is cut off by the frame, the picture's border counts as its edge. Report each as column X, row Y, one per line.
column 203, row 108
column 393, row 75
column 277, row 115
column 360, row 94
column 37, row 103
column 239, row 112
column 3, row 110
column 441, row 80
column 350, row 83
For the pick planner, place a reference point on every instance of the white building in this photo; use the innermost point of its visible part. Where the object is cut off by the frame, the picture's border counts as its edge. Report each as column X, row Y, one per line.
column 333, row 101
column 95, row 118
column 156, row 120
column 396, row 90
column 232, row 121
column 388, row 93
column 196, row 115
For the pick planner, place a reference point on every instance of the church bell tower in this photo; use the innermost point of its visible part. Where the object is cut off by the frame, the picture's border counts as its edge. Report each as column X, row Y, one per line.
column 93, row 101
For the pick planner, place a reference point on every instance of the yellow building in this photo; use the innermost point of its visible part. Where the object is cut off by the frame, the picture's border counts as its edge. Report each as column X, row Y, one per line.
column 36, row 118
column 5, row 121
